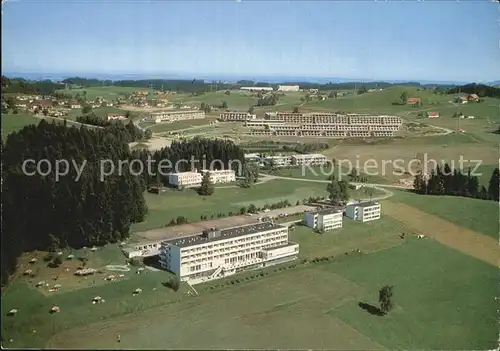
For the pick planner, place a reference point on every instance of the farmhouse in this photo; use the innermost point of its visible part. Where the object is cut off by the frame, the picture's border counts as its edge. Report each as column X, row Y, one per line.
column 185, row 179
column 74, row 104
column 413, row 101
column 432, row 114
column 220, row 253
column 172, row 116
column 324, row 220
column 220, row 176
column 363, row 211
column 41, row 105
column 461, row 99
column 236, row 116
column 473, row 97
column 288, row 88
column 252, row 157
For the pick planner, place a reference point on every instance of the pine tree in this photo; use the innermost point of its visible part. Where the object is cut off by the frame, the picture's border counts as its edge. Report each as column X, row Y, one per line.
column 493, row 185
column 206, row 188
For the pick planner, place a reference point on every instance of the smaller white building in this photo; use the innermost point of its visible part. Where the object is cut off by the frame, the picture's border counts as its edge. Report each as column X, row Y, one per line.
column 363, row 211
column 309, row 159
column 288, row 88
column 256, row 89
column 220, row 176
column 185, row 179
column 324, row 220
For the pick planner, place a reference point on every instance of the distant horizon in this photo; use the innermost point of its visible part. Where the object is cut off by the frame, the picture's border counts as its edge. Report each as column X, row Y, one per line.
column 288, row 40
column 59, row 76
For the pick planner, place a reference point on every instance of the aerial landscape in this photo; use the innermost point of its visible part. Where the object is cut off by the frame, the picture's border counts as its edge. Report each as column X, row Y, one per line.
column 250, row 175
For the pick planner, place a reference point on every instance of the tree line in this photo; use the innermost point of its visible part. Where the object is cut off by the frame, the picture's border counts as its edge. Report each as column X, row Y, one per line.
column 45, row 213
column 23, row 86
column 481, row 90
column 445, row 181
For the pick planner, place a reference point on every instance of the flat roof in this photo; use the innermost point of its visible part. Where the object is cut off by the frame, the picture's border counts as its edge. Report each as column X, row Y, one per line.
column 280, row 246
column 225, row 234
column 364, row 204
column 326, row 211
column 308, row 155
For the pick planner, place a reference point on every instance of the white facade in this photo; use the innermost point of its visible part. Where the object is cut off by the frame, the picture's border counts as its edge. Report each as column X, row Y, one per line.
column 216, row 254
column 185, row 179
column 309, row 159
column 220, row 176
column 288, row 88
column 172, row 116
column 278, row 161
column 236, row 116
column 363, row 211
column 324, row 220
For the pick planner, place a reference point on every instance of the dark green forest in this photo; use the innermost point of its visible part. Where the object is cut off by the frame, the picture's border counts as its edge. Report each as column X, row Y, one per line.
column 45, row 213
column 445, row 181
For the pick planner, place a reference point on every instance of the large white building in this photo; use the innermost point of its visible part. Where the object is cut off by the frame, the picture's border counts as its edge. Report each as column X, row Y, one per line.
column 221, row 253
column 309, row 159
column 278, row 160
column 185, row 179
column 173, row 116
column 324, row 220
column 229, row 116
column 220, row 176
column 288, row 88
column 363, row 211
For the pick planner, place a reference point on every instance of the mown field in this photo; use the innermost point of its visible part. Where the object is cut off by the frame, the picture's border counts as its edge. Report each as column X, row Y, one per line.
column 106, row 92
column 224, row 200
column 443, row 298
column 14, row 122
column 169, row 127
column 478, row 215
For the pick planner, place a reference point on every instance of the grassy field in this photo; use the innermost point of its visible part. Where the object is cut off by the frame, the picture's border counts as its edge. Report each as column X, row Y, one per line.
column 106, row 92
column 320, row 303
column 168, row 127
column 14, row 122
column 323, row 173
column 478, row 215
column 191, row 205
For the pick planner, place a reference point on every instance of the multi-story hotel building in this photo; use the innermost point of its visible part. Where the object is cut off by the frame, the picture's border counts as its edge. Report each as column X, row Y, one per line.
column 185, row 179
column 324, row 125
column 221, row 253
column 278, row 161
column 363, row 211
column 231, row 116
column 309, row 159
column 172, row 116
column 324, row 220
column 220, row 176
column 257, row 88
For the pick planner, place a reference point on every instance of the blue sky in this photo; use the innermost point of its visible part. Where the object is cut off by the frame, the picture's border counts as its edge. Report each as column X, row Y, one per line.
column 431, row 40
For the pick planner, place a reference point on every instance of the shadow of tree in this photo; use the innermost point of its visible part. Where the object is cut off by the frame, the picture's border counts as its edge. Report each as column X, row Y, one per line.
column 373, row 310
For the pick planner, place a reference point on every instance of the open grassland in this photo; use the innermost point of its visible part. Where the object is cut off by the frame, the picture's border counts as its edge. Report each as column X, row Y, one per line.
column 478, row 215
column 320, row 303
column 106, row 92
column 444, row 300
column 14, row 122
column 367, row 237
column 168, row 127
column 189, row 204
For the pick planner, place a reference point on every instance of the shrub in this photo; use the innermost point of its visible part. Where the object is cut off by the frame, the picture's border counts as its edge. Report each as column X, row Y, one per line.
column 136, row 261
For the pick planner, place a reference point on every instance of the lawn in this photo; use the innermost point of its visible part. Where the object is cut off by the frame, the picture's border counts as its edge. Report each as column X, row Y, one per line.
column 319, row 302
column 480, row 216
column 323, row 173
column 367, row 237
column 191, row 205
column 14, row 122
column 168, row 127
column 444, row 300
column 106, row 92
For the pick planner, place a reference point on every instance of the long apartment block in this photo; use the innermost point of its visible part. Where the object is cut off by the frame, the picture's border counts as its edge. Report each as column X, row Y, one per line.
column 173, row 116
column 324, row 125
column 235, row 116
column 216, row 253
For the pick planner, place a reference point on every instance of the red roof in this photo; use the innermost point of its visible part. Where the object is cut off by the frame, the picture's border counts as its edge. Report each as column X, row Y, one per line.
column 433, row 113
column 413, row 100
